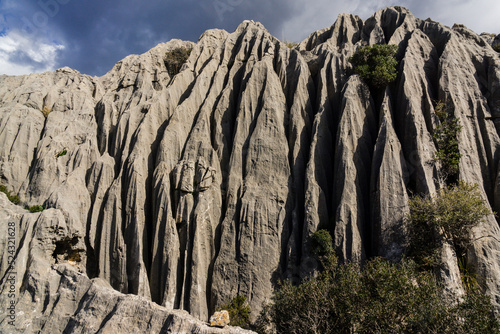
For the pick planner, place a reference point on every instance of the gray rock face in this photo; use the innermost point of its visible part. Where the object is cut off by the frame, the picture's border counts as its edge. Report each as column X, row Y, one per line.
column 54, row 296
column 354, row 146
column 181, row 192
column 388, row 189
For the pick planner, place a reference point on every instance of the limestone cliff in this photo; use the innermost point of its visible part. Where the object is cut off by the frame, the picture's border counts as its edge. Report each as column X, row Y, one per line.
column 182, row 190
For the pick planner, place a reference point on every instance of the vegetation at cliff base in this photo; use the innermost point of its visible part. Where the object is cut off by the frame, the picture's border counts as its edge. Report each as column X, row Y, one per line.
column 447, row 217
column 239, row 311
column 379, row 297
column 376, row 64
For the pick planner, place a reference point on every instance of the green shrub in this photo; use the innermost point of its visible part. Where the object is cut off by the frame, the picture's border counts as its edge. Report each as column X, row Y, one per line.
column 36, row 208
column 467, row 275
column 449, row 216
column 321, row 245
column 302, row 309
column 446, row 139
column 13, row 198
column 61, row 153
column 376, row 64
column 239, row 311
column 291, row 45
column 475, row 314
column 381, row 297
column 175, row 59
column 378, row 298
column 424, row 241
column 497, row 47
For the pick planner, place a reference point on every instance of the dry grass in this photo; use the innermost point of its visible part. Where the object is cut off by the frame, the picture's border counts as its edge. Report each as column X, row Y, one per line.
column 175, row 59
column 46, row 111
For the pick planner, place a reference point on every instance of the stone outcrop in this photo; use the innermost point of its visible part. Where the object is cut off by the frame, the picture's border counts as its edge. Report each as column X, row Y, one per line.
column 165, row 193
column 55, row 296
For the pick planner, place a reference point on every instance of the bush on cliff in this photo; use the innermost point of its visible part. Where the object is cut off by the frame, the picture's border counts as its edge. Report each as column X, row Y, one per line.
column 35, row 208
column 239, row 311
column 376, row 64
column 175, row 59
column 446, row 139
column 13, row 198
column 447, row 217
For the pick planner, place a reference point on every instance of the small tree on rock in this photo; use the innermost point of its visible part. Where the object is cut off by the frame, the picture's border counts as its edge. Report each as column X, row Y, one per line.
column 448, row 216
column 376, row 64
column 239, row 311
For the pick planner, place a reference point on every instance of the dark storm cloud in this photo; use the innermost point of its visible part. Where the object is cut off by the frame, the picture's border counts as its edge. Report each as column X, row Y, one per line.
column 96, row 34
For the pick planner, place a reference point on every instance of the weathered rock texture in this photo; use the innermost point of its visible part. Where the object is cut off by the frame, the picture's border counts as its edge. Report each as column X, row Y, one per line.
column 190, row 189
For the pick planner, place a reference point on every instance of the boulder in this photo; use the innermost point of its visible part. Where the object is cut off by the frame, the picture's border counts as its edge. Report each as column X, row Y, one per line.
column 220, row 319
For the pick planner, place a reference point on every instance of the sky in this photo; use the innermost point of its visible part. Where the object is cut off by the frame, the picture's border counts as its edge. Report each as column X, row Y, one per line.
column 92, row 35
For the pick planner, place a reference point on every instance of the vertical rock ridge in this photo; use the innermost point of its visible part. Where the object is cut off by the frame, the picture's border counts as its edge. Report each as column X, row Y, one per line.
column 388, row 194
column 298, row 88
column 259, row 171
column 354, row 147
column 415, row 113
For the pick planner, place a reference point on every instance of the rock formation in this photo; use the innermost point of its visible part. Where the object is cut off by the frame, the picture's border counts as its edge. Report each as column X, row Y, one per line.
column 166, row 191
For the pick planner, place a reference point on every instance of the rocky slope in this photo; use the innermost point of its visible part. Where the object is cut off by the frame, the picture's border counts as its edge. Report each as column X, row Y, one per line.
column 186, row 190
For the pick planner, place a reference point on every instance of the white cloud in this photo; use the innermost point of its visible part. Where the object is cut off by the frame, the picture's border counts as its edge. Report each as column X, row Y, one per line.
column 20, row 54
column 479, row 15
column 319, row 14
